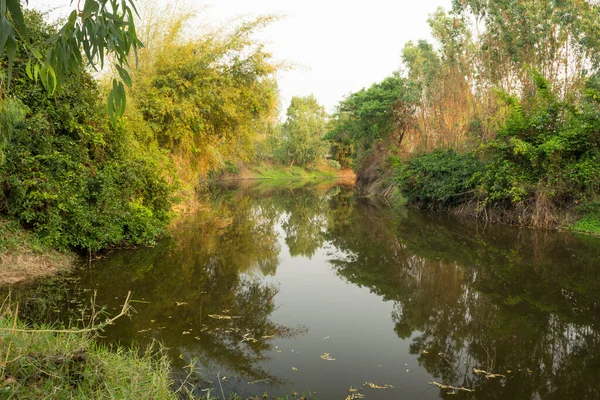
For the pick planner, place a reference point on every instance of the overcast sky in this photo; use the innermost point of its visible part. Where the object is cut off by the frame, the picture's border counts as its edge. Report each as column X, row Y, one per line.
column 339, row 46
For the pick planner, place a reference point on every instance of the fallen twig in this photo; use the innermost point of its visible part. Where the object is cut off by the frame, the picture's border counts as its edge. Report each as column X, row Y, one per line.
column 487, row 375
column 101, row 326
column 442, row 386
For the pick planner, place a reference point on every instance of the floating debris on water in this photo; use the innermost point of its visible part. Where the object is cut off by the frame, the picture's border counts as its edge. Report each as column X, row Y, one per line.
column 180, row 303
column 354, row 393
column 259, row 381
column 375, row 386
column 353, row 396
column 453, row 388
column 488, row 375
column 220, row 316
column 327, row 356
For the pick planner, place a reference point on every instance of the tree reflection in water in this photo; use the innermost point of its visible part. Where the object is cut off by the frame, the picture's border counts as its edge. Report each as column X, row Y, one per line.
column 521, row 303
column 524, row 304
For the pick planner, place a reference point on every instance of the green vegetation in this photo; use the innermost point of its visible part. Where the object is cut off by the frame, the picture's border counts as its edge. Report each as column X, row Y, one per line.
column 39, row 361
column 200, row 104
column 368, row 116
column 209, row 98
column 101, row 28
column 70, row 176
column 285, row 173
column 500, row 116
column 301, row 135
column 438, row 179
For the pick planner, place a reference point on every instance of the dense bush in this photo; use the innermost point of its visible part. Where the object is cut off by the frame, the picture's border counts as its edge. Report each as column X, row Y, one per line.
column 546, row 146
column 72, row 177
column 438, row 179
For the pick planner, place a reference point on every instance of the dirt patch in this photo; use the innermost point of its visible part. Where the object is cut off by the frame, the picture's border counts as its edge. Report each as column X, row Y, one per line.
column 23, row 258
column 17, row 266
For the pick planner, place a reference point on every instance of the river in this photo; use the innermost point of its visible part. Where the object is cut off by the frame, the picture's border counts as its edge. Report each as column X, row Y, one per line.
column 309, row 288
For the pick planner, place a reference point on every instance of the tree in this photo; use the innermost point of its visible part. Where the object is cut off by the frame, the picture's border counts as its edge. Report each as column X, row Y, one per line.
column 101, row 28
column 303, row 131
column 207, row 97
column 370, row 115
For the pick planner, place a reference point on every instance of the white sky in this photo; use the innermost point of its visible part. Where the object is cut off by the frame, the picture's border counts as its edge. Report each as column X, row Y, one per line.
column 339, row 46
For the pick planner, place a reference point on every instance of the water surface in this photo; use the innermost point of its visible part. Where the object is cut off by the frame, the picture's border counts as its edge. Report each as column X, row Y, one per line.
column 258, row 287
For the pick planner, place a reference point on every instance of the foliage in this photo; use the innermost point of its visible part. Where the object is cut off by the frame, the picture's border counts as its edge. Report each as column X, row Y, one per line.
column 11, row 116
column 335, row 165
column 73, row 178
column 438, row 179
column 302, row 133
column 102, row 29
column 590, row 223
column 73, row 365
column 546, row 145
column 368, row 115
column 209, row 98
column 283, row 174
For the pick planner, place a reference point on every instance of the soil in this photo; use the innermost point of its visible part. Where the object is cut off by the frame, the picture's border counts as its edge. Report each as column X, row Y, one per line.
column 23, row 265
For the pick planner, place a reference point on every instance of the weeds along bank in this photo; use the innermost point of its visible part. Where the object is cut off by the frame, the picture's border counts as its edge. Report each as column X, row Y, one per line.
column 42, row 362
column 499, row 118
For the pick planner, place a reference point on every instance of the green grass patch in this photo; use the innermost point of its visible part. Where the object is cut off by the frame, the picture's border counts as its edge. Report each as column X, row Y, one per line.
column 40, row 363
column 590, row 223
column 294, row 172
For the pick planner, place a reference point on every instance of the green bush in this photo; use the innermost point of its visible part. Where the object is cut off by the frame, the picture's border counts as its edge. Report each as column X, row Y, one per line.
column 71, row 177
column 438, row 179
column 546, row 145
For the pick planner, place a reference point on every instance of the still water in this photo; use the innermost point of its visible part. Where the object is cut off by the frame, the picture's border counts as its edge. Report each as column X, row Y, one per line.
column 310, row 288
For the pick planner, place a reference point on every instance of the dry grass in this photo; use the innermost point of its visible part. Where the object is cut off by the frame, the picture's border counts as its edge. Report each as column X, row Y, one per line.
column 23, row 257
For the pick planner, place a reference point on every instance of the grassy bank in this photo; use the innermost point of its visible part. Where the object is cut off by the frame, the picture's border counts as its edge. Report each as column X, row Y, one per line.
column 286, row 173
column 24, row 257
column 39, row 362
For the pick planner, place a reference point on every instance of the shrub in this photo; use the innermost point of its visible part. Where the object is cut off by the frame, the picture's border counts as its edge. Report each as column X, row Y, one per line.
column 545, row 146
column 438, row 179
column 70, row 176
column 335, row 165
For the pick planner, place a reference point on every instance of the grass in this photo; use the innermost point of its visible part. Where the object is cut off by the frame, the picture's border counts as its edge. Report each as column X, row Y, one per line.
column 71, row 365
column 590, row 223
column 23, row 256
column 294, row 172
column 14, row 238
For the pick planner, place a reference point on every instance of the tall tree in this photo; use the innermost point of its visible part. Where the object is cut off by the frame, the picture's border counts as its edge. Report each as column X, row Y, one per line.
column 303, row 131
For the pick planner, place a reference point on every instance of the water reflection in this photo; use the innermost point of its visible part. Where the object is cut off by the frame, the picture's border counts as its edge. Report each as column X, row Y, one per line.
column 520, row 303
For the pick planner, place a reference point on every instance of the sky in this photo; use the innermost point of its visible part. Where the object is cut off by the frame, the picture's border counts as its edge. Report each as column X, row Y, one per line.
column 337, row 46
